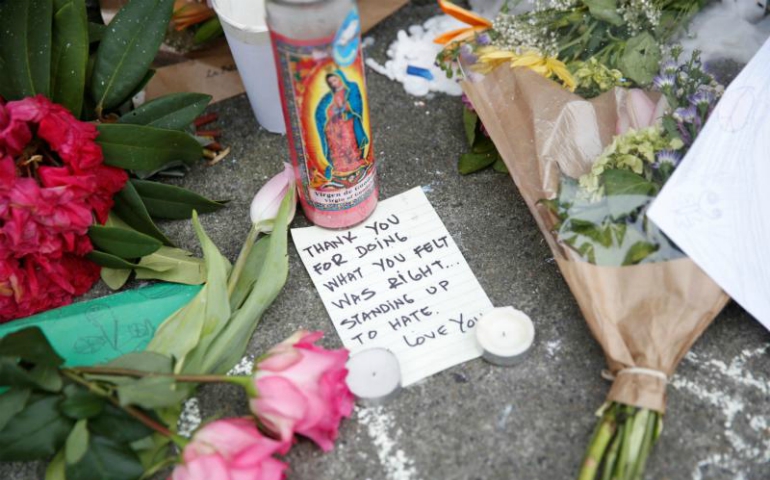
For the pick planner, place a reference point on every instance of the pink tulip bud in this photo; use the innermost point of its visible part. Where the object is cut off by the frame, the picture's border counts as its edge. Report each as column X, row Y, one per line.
column 230, row 449
column 301, row 390
column 267, row 201
column 639, row 112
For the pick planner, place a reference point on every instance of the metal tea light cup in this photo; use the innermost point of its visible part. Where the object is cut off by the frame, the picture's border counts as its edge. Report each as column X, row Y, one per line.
column 505, row 336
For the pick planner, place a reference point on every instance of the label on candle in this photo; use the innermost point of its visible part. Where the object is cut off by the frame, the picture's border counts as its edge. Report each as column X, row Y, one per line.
column 398, row 281
column 324, row 95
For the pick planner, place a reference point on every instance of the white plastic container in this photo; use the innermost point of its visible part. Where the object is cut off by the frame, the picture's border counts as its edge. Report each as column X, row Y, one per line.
column 244, row 24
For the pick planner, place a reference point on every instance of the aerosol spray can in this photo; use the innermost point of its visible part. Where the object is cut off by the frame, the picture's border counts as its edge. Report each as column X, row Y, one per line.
column 317, row 46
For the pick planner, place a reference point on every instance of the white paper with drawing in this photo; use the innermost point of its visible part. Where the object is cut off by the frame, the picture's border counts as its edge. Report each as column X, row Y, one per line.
column 398, row 281
column 716, row 206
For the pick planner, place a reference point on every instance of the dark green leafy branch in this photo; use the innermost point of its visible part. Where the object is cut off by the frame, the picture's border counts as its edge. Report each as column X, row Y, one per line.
column 60, row 49
column 96, row 422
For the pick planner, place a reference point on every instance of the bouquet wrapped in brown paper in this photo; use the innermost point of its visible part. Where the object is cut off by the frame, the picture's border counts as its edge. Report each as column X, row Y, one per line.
column 588, row 170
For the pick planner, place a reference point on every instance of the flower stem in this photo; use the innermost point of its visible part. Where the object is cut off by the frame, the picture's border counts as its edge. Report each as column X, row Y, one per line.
column 611, row 456
column 133, row 411
column 637, row 472
column 127, row 372
column 241, row 261
column 598, row 445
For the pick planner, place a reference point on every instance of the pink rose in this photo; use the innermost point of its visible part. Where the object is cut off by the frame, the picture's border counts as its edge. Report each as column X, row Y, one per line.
column 267, row 201
column 301, row 389
column 230, row 449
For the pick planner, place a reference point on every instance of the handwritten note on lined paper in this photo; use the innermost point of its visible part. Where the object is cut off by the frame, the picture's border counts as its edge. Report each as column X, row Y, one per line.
column 398, row 281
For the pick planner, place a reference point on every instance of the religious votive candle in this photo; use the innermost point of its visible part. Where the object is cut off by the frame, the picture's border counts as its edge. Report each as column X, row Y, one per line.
column 317, row 46
column 505, row 334
column 374, row 376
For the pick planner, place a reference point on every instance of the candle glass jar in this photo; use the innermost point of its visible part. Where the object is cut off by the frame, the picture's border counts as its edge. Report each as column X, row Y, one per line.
column 317, row 46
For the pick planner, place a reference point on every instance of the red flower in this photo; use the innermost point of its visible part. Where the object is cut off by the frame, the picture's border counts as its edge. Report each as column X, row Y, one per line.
column 14, row 131
column 49, row 196
column 35, row 284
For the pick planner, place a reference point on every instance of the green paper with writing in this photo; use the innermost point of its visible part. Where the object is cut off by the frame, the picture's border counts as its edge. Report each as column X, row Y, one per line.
column 99, row 330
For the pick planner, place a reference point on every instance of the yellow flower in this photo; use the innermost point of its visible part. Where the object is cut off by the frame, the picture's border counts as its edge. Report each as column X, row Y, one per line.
column 549, row 67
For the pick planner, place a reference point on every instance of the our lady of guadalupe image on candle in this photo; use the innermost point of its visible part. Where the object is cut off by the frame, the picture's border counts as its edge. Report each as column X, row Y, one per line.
column 339, row 120
column 341, row 124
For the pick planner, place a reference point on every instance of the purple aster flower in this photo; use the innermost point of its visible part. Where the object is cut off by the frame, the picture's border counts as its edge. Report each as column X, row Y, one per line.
column 702, row 98
column 686, row 114
column 669, row 67
column 483, row 39
column 670, row 157
column 664, row 81
column 466, row 54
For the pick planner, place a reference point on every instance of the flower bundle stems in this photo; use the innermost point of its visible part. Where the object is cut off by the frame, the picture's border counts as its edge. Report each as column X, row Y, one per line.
column 140, row 416
column 621, row 443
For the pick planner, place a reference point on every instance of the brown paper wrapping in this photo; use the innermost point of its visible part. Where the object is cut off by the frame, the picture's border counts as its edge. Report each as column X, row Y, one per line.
column 645, row 316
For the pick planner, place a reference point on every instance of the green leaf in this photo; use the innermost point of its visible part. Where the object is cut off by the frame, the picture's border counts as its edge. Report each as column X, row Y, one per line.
column 147, row 77
column 36, row 432
column 470, row 122
column 118, row 425
column 30, row 344
column 499, row 166
column 626, row 192
column 25, row 49
column 172, row 265
column 55, row 469
column 109, row 260
column 106, row 459
column 40, row 360
column 151, row 392
column 483, row 145
column 638, row 252
column 250, row 273
column 44, row 377
column 205, row 315
column 127, row 49
column 626, row 182
column 606, row 10
column 11, row 403
column 80, row 404
column 95, row 32
column 230, row 344
column 139, row 147
column 115, row 278
column 169, row 201
column 130, row 208
column 77, row 442
column 153, row 450
column 174, row 111
column 641, row 58
column 69, row 54
column 210, row 29
column 473, row 162
column 123, row 243
column 144, row 361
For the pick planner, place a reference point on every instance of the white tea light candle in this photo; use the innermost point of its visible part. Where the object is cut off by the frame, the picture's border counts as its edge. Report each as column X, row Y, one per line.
column 374, row 376
column 505, row 334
